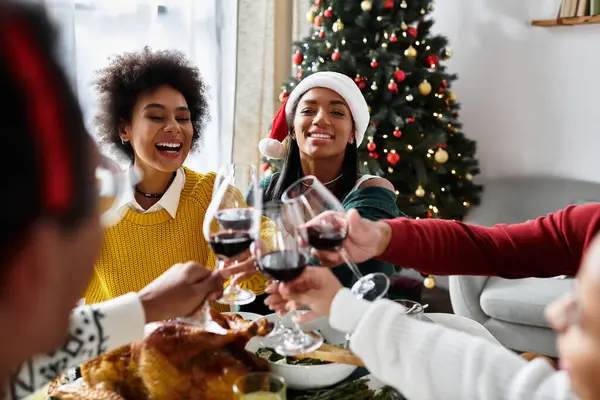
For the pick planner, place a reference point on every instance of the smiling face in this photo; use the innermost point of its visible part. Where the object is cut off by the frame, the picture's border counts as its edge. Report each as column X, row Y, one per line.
column 323, row 124
column 160, row 130
column 577, row 322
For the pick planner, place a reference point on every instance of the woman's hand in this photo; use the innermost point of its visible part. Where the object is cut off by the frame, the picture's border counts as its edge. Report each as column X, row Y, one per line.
column 315, row 288
column 182, row 289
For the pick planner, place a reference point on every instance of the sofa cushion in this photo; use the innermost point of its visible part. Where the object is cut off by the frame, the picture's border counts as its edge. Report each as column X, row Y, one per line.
column 522, row 301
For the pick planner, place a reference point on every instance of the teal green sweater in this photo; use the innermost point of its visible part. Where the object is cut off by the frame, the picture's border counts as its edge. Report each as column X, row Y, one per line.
column 372, row 203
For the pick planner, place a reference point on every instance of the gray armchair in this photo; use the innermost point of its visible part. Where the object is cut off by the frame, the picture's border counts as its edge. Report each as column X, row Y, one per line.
column 513, row 310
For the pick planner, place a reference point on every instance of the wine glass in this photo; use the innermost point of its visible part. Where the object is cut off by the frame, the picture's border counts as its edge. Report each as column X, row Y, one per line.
column 111, row 182
column 309, row 198
column 232, row 221
column 282, row 256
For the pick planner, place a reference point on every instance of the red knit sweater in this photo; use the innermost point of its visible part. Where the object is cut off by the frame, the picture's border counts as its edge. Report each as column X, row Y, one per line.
column 548, row 246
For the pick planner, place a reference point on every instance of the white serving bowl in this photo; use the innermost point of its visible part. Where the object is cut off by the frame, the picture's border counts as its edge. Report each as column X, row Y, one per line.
column 303, row 377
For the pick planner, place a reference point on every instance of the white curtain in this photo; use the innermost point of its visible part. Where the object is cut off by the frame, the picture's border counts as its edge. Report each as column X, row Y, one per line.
column 205, row 30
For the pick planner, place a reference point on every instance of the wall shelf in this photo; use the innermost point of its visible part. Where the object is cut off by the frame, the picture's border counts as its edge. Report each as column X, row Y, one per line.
column 571, row 21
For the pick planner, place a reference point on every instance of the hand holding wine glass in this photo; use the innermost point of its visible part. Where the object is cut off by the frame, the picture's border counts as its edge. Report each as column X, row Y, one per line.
column 310, row 200
column 232, row 221
column 281, row 255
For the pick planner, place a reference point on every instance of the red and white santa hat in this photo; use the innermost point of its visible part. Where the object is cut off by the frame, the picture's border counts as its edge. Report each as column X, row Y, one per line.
column 272, row 146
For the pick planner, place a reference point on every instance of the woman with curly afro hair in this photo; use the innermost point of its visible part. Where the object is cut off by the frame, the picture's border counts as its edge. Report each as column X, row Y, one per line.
column 153, row 107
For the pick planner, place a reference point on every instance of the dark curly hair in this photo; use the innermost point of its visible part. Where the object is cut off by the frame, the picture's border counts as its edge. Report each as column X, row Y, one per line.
column 131, row 74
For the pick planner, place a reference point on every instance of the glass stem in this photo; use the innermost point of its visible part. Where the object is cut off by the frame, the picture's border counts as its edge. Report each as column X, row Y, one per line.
column 297, row 336
column 351, row 264
column 230, row 288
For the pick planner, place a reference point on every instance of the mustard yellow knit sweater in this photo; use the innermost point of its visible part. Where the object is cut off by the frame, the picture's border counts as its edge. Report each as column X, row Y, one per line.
column 142, row 246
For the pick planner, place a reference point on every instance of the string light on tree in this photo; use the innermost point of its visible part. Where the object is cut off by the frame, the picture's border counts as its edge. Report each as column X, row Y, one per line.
column 468, row 177
column 366, row 5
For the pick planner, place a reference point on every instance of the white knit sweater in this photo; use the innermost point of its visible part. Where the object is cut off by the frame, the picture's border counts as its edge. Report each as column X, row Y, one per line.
column 93, row 330
column 426, row 361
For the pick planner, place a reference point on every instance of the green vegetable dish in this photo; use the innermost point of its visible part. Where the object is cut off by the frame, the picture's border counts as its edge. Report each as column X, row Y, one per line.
column 358, row 390
column 269, row 354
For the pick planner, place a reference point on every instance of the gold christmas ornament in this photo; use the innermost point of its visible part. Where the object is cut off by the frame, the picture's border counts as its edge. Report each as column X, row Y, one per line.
column 448, row 53
column 469, row 177
column 338, row 25
column 366, row 5
column 451, row 96
column 420, row 192
column 410, row 52
column 425, row 88
column 429, row 282
column 403, row 26
column 441, row 156
column 310, row 15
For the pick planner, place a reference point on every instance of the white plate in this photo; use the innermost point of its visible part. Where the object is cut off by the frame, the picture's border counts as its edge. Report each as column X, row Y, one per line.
column 246, row 315
column 304, row 377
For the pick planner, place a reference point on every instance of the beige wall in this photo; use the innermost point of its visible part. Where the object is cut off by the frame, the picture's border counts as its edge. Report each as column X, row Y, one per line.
column 266, row 29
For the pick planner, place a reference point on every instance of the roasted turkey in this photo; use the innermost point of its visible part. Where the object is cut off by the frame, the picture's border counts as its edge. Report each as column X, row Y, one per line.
column 176, row 361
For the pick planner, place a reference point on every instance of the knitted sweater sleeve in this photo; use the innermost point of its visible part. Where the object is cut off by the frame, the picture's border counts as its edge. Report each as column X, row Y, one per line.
column 93, row 330
column 428, row 361
column 545, row 247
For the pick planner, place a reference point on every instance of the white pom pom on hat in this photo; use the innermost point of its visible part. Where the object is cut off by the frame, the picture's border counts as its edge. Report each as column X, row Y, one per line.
column 272, row 146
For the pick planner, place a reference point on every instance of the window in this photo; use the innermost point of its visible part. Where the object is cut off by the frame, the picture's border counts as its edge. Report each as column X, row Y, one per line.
column 94, row 30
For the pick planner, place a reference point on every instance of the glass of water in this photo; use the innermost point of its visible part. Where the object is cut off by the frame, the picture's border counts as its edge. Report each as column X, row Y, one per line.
column 260, row 386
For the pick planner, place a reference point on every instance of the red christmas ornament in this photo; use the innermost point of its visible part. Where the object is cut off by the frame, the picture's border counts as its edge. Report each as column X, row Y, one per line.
column 441, row 90
column 393, row 158
column 389, row 4
column 371, row 146
column 429, row 214
column 442, row 145
column 299, row 74
column 432, row 60
column 374, row 63
column 283, row 96
column 393, row 38
column 328, row 13
column 358, row 79
column 445, row 83
column 393, row 86
column 411, row 120
column 412, row 31
column 318, row 20
column 374, row 155
column 264, row 167
column 336, row 55
column 398, row 133
column 321, row 34
column 362, row 85
column 318, row 3
column 297, row 58
column 399, row 75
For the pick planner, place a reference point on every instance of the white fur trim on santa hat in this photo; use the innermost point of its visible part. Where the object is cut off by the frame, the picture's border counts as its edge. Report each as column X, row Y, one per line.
column 271, row 148
column 342, row 85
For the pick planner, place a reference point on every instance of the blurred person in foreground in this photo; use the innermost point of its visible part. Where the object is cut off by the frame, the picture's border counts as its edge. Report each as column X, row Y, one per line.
column 51, row 231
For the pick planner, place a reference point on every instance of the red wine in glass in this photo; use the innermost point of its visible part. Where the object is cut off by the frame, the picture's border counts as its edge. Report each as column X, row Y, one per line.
column 236, row 219
column 230, row 244
column 325, row 237
column 283, row 265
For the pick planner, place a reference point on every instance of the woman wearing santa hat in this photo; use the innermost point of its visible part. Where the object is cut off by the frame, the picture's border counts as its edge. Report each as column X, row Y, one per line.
column 323, row 121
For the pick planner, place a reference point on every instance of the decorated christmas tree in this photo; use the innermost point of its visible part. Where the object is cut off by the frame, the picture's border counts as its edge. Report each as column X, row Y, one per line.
column 414, row 138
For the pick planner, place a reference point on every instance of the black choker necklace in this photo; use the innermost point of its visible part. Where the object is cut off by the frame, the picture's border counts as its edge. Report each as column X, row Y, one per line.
column 155, row 195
